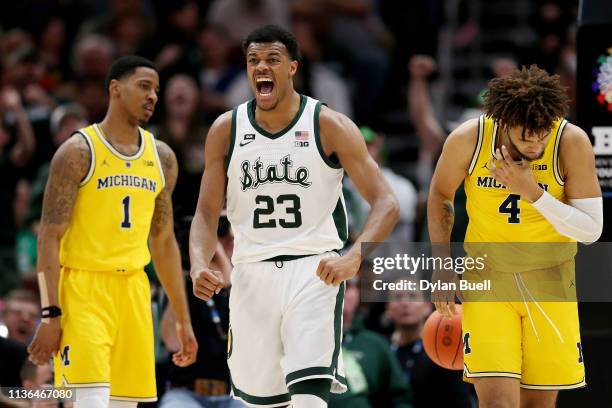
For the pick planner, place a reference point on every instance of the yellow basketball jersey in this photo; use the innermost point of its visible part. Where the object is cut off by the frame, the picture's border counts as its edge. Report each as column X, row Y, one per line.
column 497, row 215
column 112, row 214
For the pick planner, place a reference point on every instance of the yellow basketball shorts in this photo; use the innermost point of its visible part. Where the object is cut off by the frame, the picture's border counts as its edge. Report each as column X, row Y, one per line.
column 535, row 342
column 107, row 333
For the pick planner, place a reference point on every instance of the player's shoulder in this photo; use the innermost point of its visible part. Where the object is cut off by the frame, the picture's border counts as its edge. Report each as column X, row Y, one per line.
column 464, row 137
column 166, row 155
column 573, row 134
column 222, row 126
column 75, row 153
column 337, row 130
column 333, row 120
column 574, row 141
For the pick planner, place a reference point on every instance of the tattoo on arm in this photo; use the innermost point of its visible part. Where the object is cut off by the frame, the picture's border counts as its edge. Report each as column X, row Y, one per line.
column 69, row 166
column 162, row 217
column 448, row 216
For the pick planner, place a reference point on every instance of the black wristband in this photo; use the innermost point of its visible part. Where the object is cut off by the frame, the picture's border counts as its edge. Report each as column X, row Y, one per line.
column 50, row 311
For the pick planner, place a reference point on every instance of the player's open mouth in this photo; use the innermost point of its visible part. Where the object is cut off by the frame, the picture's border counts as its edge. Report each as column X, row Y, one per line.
column 265, row 86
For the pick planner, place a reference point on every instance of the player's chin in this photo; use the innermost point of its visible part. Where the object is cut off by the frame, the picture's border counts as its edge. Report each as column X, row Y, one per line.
column 266, row 102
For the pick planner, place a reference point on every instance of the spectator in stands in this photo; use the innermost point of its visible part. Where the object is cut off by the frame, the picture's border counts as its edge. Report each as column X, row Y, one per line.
column 12, row 356
column 401, row 186
column 20, row 315
column 314, row 77
column 183, row 129
column 17, row 146
column 205, row 383
column 432, row 385
column 93, row 56
column 373, row 375
column 240, row 17
column 223, row 81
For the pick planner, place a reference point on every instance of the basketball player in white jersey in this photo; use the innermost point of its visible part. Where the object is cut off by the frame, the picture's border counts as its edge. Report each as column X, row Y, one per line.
column 283, row 156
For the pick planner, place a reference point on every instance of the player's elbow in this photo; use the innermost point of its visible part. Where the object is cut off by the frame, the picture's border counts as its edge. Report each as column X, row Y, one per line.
column 393, row 208
column 592, row 235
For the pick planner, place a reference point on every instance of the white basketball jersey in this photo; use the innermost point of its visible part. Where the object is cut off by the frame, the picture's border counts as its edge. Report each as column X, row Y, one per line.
column 284, row 196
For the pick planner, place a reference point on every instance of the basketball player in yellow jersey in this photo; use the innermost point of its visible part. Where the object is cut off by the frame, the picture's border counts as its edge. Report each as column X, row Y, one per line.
column 109, row 192
column 529, row 176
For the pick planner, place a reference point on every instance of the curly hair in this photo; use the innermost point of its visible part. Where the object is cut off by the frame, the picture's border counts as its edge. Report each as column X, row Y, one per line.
column 529, row 98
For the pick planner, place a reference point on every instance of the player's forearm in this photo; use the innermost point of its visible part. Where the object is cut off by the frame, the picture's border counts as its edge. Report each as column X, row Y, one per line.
column 167, row 261
column 384, row 214
column 202, row 240
column 440, row 217
column 581, row 220
column 48, row 265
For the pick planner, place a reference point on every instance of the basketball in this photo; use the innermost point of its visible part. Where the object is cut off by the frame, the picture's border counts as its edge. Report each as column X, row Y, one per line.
column 443, row 341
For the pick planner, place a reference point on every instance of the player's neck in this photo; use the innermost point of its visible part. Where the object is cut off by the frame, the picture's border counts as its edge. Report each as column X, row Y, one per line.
column 278, row 118
column 117, row 130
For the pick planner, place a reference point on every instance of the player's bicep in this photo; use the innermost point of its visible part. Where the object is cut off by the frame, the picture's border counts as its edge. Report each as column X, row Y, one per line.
column 345, row 140
column 578, row 164
column 162, row 223
column 452, row 166
column 69, row 166
column 212, row 186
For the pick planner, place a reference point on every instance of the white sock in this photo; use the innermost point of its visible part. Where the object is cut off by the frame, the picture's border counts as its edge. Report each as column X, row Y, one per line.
column 122, row 404
column 307, row 401
column 94, row 397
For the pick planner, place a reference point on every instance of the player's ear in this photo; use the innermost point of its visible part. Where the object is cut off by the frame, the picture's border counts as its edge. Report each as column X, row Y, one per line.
column 293, row 66
column 114, row 88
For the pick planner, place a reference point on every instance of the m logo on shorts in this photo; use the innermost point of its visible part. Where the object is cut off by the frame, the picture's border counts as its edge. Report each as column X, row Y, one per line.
column 466, row 343
column 64, row 356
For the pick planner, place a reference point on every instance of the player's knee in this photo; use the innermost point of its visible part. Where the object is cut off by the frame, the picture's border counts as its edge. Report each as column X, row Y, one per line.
column 496, row 402
column 95, row 397
column 312, row 393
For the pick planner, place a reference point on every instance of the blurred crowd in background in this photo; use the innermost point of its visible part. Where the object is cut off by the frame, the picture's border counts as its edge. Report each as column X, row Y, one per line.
column 407, row 72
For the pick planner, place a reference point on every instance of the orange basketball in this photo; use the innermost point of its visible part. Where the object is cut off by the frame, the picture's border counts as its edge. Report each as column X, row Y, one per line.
column 443, row 341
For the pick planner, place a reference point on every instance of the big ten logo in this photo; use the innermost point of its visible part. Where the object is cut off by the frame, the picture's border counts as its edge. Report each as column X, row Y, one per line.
column 602, row 136
column 299, row 143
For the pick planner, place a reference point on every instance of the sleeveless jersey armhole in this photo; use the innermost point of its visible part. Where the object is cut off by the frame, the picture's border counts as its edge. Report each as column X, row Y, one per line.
column 478, row 145
column 230, row 151
column 92, row 162
column 555, row 159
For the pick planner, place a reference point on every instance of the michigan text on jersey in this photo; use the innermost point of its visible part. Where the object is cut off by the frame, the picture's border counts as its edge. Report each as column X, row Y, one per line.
column 127, row 180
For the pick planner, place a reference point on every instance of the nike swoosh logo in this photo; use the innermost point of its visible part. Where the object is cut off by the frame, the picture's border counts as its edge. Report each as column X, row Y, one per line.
column 246, row 142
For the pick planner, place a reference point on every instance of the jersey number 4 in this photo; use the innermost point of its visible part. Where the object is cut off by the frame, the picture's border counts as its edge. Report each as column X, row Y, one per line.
column 268, row 209
column 510, row 206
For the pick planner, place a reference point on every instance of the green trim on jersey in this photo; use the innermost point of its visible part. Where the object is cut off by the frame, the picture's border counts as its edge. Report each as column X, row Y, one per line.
column 325, row 158
column 252, row 399
column 338, row 328
column 232, row 139
column 264, row 132
column 339, row 216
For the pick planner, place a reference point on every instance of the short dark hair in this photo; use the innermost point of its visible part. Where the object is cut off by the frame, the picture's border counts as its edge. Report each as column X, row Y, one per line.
column 273, row 33
column 125, row 66
column 528, row 97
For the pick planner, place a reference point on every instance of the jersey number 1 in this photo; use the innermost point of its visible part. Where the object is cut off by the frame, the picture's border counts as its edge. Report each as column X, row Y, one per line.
column 510, row 206
column 126, row 213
